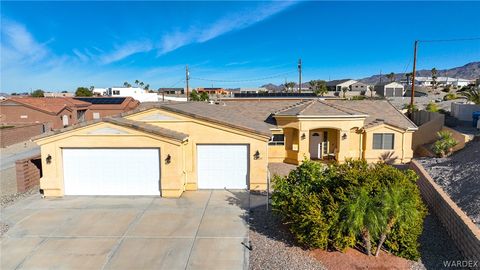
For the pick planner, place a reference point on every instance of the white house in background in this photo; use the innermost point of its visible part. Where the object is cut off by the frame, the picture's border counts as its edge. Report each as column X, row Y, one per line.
column 389, row 89
column 100, row 91
column 443, row 81
column 254, row 90
column 134, row 92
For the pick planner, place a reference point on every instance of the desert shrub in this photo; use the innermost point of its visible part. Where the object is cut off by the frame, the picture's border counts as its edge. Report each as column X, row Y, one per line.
column 450, row 96
column 313, row 200
column 432, row 107
column 443, row 146
column 358, row 97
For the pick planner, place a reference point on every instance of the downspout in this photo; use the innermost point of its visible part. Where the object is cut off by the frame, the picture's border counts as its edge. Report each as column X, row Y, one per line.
column 183, row 167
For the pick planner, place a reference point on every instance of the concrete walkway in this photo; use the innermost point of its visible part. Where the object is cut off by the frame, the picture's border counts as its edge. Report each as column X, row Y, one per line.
column 201, row 230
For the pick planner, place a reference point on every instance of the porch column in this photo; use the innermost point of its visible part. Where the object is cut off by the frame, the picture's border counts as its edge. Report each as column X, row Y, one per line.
column 343, row 145
column 303, row 145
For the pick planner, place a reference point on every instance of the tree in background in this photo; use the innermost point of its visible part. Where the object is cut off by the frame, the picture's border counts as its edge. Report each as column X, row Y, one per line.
column 289, row 86
column 126, row 84
column 38, row 93
column 434, row 78
column 92, row 87
column 372, row 89
column 319, row 87
column 445, row 143
column 194, row 96
column 391, row 76
column 204, row 96
column 83, row 92
column 408, row 76
column 147, row 87
column 137, row 82
column 345, row 90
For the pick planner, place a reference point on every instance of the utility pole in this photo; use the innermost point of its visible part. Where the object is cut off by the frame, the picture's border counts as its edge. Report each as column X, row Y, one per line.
column 410, row 110
column 300, row 75
column 187, row 78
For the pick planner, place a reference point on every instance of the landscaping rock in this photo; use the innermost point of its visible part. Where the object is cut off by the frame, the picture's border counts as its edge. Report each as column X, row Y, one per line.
column 273, row 247
column 459, row 177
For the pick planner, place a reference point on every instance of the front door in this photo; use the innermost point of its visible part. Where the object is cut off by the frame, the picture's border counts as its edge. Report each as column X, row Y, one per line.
column 316, row 145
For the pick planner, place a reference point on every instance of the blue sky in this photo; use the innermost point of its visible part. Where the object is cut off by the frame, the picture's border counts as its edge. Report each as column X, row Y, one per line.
column 62, row 45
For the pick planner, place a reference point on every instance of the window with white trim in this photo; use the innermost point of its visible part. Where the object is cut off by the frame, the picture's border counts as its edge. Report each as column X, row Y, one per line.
column 277, row 139
column 383, row 140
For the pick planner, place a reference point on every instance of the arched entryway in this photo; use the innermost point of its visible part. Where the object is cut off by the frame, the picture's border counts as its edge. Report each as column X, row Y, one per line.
column 323, row 144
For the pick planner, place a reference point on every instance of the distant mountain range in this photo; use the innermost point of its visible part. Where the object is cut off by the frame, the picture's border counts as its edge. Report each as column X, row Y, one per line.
column 469, row 71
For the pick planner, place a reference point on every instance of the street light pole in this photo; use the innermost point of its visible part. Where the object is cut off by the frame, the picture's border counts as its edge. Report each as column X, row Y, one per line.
column 413, row 79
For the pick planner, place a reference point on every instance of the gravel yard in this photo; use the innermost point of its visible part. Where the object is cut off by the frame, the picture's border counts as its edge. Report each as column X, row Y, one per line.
column 273, row 247
column 459, row 176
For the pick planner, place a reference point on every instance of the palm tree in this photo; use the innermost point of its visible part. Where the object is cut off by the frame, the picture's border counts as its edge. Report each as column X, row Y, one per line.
column 434, row 78
column 344, row 90
column 361, row 216
column 398, row 205
column 289, row 86
column 391, row 76
column 141, row 84
column 136, row 82
column 147, row 87
column 472, row 95
column 126, row 84
column 408, row 75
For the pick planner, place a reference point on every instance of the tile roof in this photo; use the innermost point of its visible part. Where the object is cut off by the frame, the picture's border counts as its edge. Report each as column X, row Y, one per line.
column 51, row 105
column 219, row 114
column 141, row 126
column 318, row 107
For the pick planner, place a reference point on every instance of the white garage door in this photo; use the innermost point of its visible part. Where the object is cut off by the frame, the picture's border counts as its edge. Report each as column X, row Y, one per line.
column 222, row 166
column 111, row 171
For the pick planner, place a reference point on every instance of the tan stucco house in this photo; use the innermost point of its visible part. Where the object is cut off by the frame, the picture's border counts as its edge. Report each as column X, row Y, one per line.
column 167, row 148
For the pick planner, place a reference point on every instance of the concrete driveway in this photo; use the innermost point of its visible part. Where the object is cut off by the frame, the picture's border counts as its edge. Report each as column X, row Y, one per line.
column 201, row 230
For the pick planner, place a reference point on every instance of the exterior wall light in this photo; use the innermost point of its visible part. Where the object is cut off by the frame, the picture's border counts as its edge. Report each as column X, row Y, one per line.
column 256, row 155
column 344, row 136
column 303, row 136
column 48, row 159
column 168, row 159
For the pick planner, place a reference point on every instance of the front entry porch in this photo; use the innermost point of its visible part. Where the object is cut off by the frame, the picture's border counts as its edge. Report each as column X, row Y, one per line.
column 323, row 144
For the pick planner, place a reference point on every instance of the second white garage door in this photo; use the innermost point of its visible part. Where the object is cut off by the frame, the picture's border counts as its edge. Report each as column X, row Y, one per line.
column 222, row 166
column 111, row 171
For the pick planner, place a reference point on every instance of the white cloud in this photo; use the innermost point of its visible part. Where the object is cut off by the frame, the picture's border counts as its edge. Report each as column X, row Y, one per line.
column 125, row 51
column 18, row 45
column 231, row 22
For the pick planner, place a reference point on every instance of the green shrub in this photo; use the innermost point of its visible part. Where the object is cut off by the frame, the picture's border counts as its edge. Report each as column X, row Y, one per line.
column 432, row 107
column 314, row 198
column 450, row 96
column 443, row 146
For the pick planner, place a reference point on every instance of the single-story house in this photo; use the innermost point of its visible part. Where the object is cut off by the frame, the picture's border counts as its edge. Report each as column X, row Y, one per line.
column 167, row 148
column 106, row 106
column 60, row 112
column 172, row 90
column 389, row 89
column 443, row 81
column 338, row 85
column 359, row 86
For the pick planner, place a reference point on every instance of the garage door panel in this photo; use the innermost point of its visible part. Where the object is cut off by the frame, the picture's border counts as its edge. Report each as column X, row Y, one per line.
column 111, row 171
column 222, row 166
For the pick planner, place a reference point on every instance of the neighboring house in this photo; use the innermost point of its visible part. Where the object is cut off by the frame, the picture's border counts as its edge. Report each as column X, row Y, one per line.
column 167, row 148
column 139, row 94
column 100, row 91
column 106, row 106
column 443, row 81
column 338, row 85
column 254, row 90
column 389, row 89
column 58, row 94
column 213, row 91
column 172, row 91
column 61, row 112
column 58, row 112
column 359, row 87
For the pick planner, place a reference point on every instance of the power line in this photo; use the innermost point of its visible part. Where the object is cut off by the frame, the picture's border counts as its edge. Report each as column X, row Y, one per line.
column 246, row 80
column 450, row 40
column 179, row 81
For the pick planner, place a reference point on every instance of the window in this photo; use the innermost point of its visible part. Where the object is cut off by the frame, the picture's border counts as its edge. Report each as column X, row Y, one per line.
column 116, row 92
column 277, row 139
column 383, row 140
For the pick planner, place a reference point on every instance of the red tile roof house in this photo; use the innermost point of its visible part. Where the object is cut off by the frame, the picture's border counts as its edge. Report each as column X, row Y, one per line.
column 62, row 111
